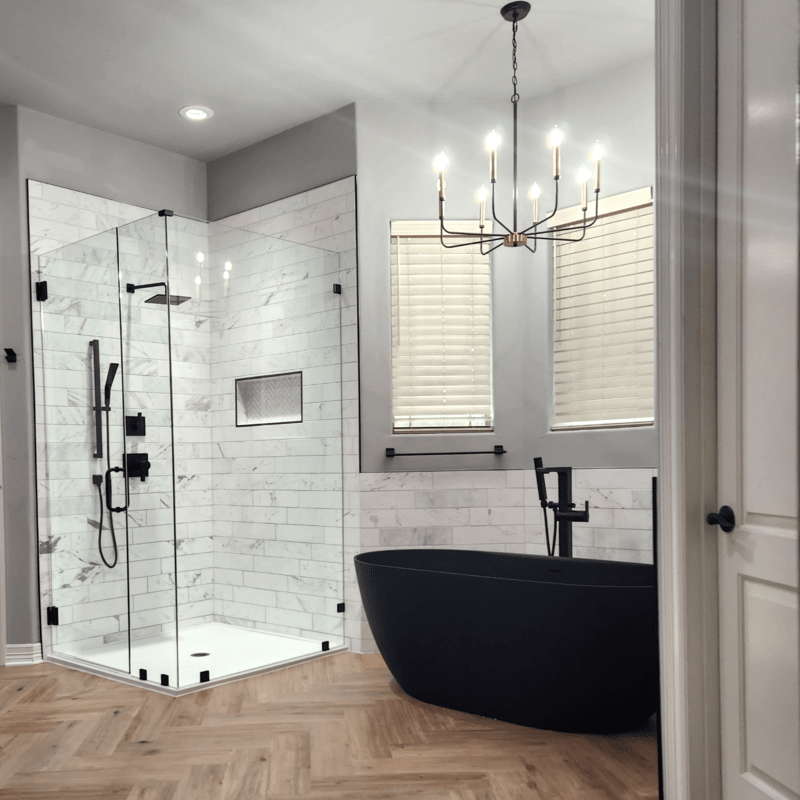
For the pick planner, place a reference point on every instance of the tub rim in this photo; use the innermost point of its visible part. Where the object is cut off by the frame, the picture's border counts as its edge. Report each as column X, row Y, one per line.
column 500, row 578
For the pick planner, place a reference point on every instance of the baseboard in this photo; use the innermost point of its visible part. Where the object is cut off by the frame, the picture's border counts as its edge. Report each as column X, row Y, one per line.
column 23, row 654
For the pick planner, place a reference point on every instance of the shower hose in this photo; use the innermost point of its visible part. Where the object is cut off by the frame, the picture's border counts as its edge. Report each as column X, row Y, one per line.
column 108, row 499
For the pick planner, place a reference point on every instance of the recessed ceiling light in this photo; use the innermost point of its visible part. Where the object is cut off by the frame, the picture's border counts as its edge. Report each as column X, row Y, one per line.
column 196, row 113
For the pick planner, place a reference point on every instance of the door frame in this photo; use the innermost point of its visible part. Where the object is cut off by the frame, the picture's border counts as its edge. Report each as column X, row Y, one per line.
column 3, row 598
column 686, row 69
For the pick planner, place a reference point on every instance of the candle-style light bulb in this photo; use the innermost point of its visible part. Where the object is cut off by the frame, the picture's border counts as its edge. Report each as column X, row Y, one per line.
column 583, row 180
column 440, row 165
column 228, row 266
column 492, row 143
column 201, row 258
column 597, row 155
column 556, row 138
column 481, row 196
column 441, row 162
column 535, row 193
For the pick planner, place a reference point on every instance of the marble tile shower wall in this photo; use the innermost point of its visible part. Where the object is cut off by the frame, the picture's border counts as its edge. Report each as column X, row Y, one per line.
column 278, row 489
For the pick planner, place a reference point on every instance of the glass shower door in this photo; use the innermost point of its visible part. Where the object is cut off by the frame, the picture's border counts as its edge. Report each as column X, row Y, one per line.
column 76, row 333
column 149, row 447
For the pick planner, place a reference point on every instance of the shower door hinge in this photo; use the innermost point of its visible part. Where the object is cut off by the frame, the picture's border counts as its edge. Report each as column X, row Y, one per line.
column 165, row 212
column 52, row 615
column 41, row 291
column 337, row 288
column 340, row 608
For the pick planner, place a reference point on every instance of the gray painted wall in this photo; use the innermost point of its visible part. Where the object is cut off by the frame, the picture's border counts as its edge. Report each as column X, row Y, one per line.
column 44, row 148
column 396, row 146
column 312, row 154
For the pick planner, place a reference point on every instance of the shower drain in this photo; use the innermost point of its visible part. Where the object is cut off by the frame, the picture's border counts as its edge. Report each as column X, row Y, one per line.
column 200, row 655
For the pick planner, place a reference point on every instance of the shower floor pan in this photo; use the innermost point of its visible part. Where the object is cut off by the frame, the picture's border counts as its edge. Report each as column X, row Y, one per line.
column 233, row 653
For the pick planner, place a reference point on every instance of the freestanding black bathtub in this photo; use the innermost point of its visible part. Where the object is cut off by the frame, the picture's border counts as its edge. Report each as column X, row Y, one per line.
column 555, row 643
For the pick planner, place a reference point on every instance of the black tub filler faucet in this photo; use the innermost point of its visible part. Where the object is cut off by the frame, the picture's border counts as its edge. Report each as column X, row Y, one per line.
column 564, row 513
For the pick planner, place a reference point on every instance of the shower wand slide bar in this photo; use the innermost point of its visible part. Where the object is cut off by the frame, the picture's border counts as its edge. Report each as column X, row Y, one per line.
column 499, row 450
column 98, row 406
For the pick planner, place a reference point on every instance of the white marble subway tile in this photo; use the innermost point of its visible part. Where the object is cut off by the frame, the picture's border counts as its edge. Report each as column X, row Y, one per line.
column 506, row 516
column 452, row 498
column 396, row 481
column 415, row 537
column 430, row 517
column 501, row 534
column 385, row 499
column 469, row 480
column 614, row 478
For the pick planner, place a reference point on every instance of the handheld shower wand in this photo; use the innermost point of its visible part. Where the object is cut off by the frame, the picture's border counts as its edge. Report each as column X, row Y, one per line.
column 112, row 371
column 538, row 465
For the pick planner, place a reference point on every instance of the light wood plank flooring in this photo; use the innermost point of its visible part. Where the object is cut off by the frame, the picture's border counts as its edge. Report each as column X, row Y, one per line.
column 337, row 727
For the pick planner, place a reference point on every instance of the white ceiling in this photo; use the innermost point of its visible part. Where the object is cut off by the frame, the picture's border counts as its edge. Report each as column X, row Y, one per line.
column 126, row 66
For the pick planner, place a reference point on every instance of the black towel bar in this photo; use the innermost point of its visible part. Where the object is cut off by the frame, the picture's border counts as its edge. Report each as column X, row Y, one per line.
column 499, row 450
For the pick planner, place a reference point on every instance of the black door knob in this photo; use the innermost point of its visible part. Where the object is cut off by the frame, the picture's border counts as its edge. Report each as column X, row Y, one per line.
column 725, row 518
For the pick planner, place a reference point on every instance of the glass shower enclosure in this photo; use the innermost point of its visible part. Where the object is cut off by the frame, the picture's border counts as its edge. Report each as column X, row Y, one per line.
column 189, row 452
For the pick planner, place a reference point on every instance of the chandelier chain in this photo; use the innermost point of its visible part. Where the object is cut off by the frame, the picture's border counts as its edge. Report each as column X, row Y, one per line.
column 515, row 96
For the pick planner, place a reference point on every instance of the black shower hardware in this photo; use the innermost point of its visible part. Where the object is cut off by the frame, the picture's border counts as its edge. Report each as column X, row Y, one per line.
column 97, row 480
column 158, row 299
column 499, row 450
column 563, row 511
column 138, row 465
column 11, row 356
column 112, row 371
column 98, row 405
column 135, row 426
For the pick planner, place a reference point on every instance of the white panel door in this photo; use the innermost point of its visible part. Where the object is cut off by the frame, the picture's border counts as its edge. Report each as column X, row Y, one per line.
column 757, row 398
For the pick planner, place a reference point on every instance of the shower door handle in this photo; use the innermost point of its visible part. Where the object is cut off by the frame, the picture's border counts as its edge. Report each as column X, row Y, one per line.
column 109, row 491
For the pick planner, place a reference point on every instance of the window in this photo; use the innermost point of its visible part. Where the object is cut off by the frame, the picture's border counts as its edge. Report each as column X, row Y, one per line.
column 603, row 317
column 441, row 331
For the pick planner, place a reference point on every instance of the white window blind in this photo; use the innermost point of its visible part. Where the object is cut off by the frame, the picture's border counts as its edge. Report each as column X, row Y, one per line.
column 441, row 330
column 603, row 314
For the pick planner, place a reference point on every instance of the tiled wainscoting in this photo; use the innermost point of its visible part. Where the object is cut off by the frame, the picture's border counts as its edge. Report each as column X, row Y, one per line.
column 263, row 510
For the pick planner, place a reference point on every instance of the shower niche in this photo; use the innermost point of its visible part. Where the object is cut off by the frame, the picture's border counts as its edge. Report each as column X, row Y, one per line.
column 270, row 399
column 184, row 537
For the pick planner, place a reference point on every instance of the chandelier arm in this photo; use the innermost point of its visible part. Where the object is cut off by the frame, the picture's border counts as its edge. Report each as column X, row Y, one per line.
column 565, row 238
column 547, row 218
column 494, row 215
column 585, row 224
column 493, row 248
column 461, row 233
column 495, row 239
column 466, row 244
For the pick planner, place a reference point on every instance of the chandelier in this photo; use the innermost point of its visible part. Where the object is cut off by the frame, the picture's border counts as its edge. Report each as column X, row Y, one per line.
column 514, row 12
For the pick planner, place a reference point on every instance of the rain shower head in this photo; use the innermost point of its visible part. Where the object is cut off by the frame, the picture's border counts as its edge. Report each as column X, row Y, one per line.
column 161, row 299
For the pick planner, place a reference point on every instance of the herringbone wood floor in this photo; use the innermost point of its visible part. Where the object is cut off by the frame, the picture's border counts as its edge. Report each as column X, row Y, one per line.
column 337, row 727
